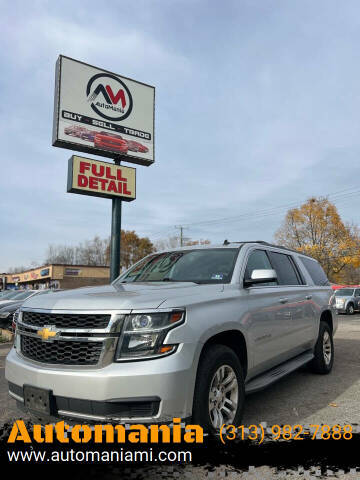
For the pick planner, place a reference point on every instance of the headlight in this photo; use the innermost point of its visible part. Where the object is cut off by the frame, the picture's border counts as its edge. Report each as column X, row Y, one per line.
column 144, row 333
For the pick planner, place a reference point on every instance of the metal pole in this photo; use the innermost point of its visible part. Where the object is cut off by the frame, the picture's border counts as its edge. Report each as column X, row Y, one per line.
column 115, row 241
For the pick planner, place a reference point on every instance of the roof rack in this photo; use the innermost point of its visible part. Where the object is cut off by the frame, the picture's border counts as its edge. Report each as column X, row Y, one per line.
column 262, row 242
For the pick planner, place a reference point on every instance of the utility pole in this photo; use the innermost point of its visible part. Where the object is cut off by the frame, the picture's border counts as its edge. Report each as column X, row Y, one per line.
column 182, row 238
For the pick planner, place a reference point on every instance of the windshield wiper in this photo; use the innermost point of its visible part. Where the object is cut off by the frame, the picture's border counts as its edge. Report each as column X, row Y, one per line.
column 167, row 279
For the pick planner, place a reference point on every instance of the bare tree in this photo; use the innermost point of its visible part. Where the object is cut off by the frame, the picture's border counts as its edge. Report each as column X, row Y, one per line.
column 91, row 252
column 174, row 242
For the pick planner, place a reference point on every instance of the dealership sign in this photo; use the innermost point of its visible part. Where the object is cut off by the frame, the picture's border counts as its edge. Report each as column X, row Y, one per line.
column 101, row 179
column 102, row 113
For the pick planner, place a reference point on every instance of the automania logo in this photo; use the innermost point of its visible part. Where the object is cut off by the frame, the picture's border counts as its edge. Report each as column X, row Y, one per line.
column 109, row 97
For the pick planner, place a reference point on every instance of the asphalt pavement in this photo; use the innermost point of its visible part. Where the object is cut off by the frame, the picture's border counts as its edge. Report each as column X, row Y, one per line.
column 301, row 397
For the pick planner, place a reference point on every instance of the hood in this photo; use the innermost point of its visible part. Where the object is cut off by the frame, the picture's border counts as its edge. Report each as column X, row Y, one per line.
column 120, row 297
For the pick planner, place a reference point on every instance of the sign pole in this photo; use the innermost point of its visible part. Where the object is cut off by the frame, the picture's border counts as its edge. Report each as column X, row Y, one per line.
column 115, row 242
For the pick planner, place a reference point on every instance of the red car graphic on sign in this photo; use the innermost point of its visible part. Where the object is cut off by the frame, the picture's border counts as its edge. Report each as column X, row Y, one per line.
column 110, row 142
column 136, row 147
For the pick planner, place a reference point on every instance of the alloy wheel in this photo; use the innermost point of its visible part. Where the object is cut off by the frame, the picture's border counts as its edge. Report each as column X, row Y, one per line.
column 327, row 348
column 223, row 396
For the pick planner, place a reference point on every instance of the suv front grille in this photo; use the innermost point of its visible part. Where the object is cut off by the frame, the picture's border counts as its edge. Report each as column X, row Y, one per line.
column 59, row 320
column 60, row 352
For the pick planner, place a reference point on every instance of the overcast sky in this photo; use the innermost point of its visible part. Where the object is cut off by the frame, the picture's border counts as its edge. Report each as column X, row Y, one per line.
column 257, row 109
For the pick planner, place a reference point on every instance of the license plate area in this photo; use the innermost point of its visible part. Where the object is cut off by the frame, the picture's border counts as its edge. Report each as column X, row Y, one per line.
column 37, row 399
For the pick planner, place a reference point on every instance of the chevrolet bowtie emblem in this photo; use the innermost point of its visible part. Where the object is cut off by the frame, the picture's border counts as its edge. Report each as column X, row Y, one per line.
column 47, row 333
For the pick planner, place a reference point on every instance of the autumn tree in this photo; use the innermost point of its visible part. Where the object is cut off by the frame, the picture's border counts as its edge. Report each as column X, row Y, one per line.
column 315, row 228
column 133, row 248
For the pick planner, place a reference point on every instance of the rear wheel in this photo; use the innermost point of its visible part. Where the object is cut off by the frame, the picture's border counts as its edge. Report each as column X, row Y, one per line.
column 324, row 351
column 219, row 391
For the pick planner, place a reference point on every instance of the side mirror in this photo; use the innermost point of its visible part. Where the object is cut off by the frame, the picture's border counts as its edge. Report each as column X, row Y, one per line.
column 260, row 276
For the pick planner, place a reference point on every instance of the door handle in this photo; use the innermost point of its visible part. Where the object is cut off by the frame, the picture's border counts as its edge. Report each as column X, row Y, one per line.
column 283, row 300
column 308, row 297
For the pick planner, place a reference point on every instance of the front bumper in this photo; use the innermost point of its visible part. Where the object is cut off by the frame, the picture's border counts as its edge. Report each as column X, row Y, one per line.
column 168, row 383
column 340, row 310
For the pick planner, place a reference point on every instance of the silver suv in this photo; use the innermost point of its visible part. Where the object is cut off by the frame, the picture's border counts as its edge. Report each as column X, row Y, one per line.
column 183, row 333
column 347, row 300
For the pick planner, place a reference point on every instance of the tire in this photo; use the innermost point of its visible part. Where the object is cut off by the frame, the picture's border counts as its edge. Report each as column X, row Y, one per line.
column 350, row 309
column 324, row 351
column 218, row 365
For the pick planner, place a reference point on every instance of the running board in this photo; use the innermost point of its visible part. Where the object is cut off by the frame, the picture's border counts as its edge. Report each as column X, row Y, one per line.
column 271, row 376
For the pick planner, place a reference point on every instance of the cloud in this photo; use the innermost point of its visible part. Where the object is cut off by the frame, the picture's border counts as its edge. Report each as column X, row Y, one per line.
column 257, row 106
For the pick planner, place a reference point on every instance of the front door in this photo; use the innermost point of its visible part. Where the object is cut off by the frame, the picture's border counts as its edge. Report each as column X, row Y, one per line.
column 269, row 321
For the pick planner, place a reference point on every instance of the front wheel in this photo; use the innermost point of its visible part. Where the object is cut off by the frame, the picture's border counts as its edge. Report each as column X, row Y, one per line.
column 219, row 392
column 350, row 309
column 324, row 351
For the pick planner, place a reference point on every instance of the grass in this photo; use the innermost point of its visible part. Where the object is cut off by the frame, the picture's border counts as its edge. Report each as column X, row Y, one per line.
column 3, row 338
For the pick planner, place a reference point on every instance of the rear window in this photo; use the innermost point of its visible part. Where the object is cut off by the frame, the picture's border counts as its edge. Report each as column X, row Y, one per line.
column 315, row 271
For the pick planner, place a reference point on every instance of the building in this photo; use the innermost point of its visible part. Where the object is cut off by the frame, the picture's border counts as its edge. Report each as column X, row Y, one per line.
column 58, row 276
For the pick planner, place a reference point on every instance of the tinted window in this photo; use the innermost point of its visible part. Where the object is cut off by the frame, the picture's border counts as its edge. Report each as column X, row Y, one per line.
column 284, row 268
column 315, row 271
column 357, row 292
column 258, row 260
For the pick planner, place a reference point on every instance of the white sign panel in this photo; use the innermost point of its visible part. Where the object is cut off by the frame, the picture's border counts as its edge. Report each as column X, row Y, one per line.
column 102, row 113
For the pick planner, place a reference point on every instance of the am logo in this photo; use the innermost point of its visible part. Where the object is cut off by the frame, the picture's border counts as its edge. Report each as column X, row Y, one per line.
column 109, row 97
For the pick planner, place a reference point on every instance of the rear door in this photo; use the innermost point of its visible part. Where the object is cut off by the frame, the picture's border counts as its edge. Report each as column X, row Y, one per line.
column 299, row 332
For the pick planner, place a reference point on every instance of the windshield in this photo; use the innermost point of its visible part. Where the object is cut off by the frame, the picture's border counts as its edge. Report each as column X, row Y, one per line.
column 198, row 266
column 10, row 295
column 345, row 292
column 22, row 295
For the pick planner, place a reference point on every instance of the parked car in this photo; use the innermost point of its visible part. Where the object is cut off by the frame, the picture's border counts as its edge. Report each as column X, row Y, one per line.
column 4, row 292
column 15, row 295
column 347, row 300
column 110, row 142
column 7, row 311
column 7, row 293
column 183, row 333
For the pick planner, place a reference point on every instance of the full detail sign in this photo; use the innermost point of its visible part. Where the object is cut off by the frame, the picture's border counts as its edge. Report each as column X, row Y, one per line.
column 101, row 179
column 101, row 113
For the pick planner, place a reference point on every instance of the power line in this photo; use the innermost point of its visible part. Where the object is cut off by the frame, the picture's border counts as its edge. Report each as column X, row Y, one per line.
column 339, row 196
column 273, row 210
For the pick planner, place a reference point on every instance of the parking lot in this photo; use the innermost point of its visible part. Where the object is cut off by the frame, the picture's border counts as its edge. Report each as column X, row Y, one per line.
column 302, row 397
